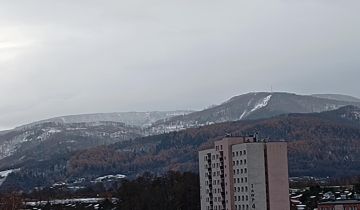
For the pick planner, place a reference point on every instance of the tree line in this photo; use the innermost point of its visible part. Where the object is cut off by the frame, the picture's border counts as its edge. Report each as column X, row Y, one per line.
column 173, row 190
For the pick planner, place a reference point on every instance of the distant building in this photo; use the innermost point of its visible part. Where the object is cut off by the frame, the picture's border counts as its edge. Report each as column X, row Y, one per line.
column 242, row 173
column 340, row 205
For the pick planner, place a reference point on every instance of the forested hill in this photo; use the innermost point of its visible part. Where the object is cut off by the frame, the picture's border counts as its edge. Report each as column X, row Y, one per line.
column 321, row 144
column 256, row 105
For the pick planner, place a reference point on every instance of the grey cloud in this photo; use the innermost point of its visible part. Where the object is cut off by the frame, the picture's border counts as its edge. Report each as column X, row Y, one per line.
column 101, row 56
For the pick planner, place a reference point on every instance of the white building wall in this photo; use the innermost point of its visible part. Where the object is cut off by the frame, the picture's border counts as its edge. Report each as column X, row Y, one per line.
column 249, row 160
column 256, row 180
column 240, row 171
column 245, row 176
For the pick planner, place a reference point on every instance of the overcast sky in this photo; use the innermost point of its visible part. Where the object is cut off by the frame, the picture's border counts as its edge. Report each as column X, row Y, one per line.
column 84, row 56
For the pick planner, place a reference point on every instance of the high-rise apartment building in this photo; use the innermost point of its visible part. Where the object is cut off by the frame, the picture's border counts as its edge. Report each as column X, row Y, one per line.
column 242, row 173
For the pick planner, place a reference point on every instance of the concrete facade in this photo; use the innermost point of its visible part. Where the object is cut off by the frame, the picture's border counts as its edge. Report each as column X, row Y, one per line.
column 236, row 175
column 277, row 174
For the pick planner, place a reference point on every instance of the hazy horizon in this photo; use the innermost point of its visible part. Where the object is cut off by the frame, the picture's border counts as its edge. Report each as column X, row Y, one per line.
column 126, row 111
column 69, row 57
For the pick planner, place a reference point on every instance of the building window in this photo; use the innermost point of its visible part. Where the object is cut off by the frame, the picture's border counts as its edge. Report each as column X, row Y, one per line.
column 245, row 170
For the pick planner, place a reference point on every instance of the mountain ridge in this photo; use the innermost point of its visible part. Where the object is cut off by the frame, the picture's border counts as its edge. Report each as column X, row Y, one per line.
column 319, row 144
column 130, row 118
column 254, row 105
column 106, row 128
column 277, row 115
column 339, row 97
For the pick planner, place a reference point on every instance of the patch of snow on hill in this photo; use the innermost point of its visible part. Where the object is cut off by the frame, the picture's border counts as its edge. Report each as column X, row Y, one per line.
column 5, row 174
column 353, row 115
column 243, row 115
column 329, row 107
column 110, row 177
column 262, row 103
column 250, row 101
column 357, row 115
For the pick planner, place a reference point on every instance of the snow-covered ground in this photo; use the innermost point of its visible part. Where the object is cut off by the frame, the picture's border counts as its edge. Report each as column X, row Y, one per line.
column 67, row 201
column 110, row 177
column 262, row 103
column 5, row 174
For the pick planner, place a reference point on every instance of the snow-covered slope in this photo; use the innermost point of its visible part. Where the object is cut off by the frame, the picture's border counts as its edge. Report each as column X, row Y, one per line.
column 141, row 119
column 5, row 174
column 40, row 141
column 61, row 135
column 77, row 132
column 251, row 106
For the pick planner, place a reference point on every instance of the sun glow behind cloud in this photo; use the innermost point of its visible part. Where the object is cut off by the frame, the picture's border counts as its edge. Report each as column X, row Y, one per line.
column 14, row 42
column 10, row 50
